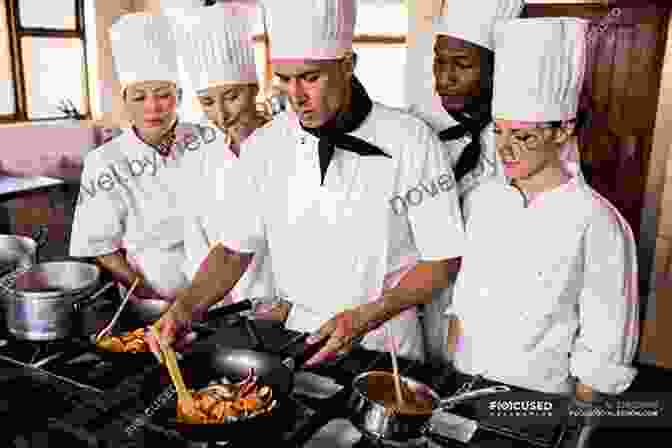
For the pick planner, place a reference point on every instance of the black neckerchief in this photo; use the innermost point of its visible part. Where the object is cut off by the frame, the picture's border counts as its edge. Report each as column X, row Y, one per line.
column 166, row 143
column 335, row 131
column 472, row 125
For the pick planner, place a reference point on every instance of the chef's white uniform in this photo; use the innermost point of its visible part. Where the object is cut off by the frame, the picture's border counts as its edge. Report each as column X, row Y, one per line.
column 212, row 182
column 337, row 246
column 554, row 290
column 462, row 21
column 130, row 198
column 214, row 49
column 561, row 283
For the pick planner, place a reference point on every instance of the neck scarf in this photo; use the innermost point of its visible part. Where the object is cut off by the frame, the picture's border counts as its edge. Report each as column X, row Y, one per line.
column 335, row 131
column 472, row 125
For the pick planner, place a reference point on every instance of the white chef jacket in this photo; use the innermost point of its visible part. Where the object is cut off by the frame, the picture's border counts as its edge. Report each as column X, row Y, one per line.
column 337, row 246
column 206, row 205
column 435, row 323
column 129, row 199
column 556, row 290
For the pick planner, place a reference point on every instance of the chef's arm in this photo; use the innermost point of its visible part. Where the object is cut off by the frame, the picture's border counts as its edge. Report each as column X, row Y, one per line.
column 608, row 334
column 216, row 276
column 417, row 287
column 117, row 265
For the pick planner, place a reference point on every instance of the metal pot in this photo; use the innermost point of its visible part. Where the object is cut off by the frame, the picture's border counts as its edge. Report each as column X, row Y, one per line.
column 376, row 422
column 18, row 251
column 41, row 301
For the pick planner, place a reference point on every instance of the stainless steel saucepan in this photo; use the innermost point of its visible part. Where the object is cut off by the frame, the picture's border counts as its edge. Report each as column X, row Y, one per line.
column 18, row 251
column 376, row 421
column 42, row 301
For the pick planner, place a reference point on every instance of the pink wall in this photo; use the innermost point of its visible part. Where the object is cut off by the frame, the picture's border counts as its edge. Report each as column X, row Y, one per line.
column 53, row 150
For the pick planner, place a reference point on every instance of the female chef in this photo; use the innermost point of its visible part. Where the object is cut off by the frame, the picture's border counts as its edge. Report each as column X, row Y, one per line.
column 553, row 263
column 127, row 214
column 318, row 186
column 463, row 69
column 215, row 48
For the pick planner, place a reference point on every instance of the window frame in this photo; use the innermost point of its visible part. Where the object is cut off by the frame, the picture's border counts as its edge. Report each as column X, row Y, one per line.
column 15, row 32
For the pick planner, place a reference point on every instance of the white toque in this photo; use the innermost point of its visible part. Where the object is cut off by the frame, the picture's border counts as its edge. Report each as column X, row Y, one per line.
column 539, row 68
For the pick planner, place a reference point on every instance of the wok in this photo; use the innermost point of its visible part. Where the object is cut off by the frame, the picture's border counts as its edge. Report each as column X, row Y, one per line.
column 213, row 361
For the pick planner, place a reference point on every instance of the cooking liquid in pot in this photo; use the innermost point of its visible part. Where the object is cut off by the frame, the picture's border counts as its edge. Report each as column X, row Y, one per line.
column 380, row 388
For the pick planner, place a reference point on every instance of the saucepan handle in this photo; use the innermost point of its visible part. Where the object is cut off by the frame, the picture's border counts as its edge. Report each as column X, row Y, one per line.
column 448, row 403
column 89, row 300
column 40, row 238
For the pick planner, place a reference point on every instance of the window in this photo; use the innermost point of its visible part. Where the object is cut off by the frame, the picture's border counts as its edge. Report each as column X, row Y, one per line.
column 380, row 44
column 42, row 59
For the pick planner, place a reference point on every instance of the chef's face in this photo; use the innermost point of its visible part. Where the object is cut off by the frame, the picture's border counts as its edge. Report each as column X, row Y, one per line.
column 457, row 71
column 528, row 149
column 316, row 90
column 152, row 107
column 229, row 105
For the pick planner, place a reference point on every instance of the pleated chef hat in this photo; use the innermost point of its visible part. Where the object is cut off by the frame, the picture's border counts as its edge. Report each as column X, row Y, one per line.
column 473, row 21
column 215, row 46
column 143, row 47
column 310, row 29
column 539, row 68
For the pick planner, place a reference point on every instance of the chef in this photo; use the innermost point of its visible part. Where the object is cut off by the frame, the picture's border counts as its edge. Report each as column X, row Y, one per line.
column 127, row 215
column 320, row 182
column 215, row 48
column 561, row 283
column 463, row 68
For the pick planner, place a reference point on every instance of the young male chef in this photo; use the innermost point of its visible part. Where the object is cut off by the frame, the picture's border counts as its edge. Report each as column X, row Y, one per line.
column 319, row 183
column 215, row 48
column 127, row 214
column 552, row 262
column 463, row 69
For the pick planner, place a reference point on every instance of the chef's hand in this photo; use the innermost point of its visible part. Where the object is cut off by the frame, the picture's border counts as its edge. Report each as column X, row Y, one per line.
column 340, row 332
column 174, row 328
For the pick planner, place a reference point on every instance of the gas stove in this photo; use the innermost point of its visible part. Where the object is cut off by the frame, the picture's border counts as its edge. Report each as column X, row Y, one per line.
column 64, row 393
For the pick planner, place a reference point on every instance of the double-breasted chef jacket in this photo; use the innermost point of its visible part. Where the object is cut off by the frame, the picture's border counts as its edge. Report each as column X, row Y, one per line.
column 206, row 208
column 339, row 245
column 130, row 199
column 553, row 304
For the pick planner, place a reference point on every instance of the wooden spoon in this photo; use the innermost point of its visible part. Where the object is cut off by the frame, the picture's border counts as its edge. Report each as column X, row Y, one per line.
column 185, row 401
column 395, row 371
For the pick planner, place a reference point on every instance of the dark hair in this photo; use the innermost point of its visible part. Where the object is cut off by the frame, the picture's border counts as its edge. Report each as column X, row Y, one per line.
column 582, row 120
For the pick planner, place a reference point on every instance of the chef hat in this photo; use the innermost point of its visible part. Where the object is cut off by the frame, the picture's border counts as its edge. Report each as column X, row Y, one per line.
column 215, row 46
column 473, row 21
column 539, row 68
column 143, row 47
column 310, row 29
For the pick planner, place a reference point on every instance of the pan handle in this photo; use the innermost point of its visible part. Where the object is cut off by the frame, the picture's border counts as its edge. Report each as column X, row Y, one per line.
column 40, row 238
column 226, row 310
column 89, row 300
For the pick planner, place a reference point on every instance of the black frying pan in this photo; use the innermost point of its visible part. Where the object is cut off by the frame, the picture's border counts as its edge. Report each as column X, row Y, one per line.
column 211, row 362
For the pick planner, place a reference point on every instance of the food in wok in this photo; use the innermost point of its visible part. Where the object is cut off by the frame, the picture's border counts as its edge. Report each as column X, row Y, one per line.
column 129, row 342
column 226, row 403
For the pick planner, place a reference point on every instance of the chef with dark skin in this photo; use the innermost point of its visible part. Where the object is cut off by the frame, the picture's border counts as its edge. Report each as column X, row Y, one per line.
column 461, row 115
column 316, row 191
